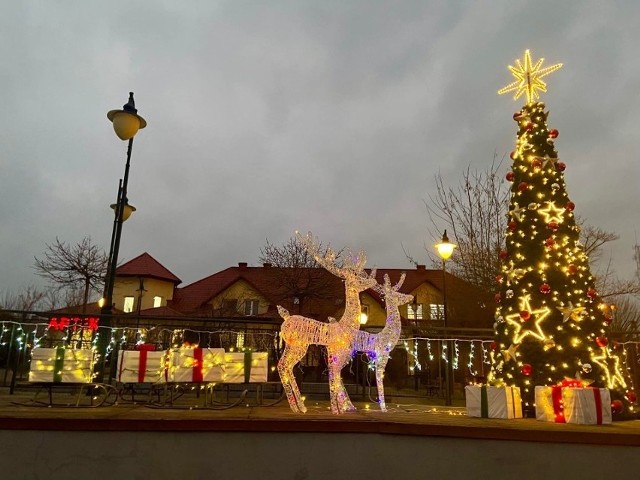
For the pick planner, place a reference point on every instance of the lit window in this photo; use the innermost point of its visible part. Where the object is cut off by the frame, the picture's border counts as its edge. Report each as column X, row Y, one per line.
column 157, row 302
column 414, row 311
column 251, row 307
column 436, row 311
column 128, row 304
column 364, row 314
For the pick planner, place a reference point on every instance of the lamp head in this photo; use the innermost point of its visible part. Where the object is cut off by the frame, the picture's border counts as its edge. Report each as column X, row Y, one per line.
column 445, row 247
column 126, row 213
column 127, row 122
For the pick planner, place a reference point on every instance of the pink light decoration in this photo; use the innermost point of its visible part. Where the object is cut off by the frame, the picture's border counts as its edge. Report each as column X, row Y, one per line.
column 378, row 346
column 299, row 332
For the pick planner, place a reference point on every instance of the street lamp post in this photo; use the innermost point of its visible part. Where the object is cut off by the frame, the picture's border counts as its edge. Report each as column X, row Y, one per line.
column 445, row 250
column 126, row 123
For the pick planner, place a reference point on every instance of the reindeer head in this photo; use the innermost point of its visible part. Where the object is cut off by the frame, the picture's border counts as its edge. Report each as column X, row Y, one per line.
column 391, row 293
column 351, row 270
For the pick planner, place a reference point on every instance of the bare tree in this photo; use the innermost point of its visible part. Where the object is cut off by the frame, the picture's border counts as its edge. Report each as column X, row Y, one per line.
column 71, row 267
column 28, row 298
column 299, row 277
column 474, row 213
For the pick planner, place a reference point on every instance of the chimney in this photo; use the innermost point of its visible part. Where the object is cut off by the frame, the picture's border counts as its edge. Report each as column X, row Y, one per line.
column 242, row 265
column 421, row 268
column 267, row 265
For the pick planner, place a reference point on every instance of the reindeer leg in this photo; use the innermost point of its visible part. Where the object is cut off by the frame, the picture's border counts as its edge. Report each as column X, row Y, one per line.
column 381, row 364
column 333, row 391
column 299, row 352
column 285, row 369
column 344, row 402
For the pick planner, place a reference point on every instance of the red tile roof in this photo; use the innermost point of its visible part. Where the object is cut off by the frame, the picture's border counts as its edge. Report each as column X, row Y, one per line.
column 146, row 266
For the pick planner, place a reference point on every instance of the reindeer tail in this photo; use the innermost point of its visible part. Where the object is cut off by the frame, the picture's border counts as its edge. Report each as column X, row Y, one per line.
column 284, row 313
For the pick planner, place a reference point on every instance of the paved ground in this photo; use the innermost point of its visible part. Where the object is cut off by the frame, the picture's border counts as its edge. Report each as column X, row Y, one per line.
column 403, row 418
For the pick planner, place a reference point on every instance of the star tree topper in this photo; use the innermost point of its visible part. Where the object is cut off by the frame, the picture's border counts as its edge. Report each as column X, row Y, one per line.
column 528, row 78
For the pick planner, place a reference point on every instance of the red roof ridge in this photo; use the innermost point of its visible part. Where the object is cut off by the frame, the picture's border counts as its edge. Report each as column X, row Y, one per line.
column 147, row 266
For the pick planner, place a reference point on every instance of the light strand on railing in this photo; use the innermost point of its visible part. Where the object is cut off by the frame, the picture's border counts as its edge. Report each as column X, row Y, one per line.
column 456, row 355
column 470, row 365
column 429, row 352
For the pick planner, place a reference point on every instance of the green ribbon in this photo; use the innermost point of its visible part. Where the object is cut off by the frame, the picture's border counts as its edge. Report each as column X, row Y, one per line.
column 484, row 403
column 58, row 364
column 247, row 364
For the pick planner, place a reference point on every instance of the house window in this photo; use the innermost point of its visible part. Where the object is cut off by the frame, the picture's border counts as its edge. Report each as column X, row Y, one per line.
column 436, row 310
column 251, row 307
column 157, row 302
column 296, row 301
column 414, row 311
column 230, row 306
column 128, row 304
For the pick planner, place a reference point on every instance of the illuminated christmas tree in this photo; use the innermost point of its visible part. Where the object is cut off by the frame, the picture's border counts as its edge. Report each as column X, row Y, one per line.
column 550, row 322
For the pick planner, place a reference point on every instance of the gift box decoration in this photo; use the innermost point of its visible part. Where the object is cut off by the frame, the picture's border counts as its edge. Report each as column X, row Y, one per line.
column 61, row 365
column 246, row 367
column 583, row 405
column 493, row 402
column 142, row 366
column 194, row 364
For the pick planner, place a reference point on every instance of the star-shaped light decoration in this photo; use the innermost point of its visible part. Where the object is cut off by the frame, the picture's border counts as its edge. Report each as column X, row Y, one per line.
column 517, row 212
column 609, row 363
column 514, row 274
column 569, row 312
column 552, row 213
column 530, row 327
column 529, row 78
column 510, row 353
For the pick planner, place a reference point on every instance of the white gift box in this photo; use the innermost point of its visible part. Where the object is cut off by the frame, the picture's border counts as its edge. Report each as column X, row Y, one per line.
column 588, row 406
column 493, row 402
column 142, row 366
column 234, row 364
column 72, row 365
column 197, row 365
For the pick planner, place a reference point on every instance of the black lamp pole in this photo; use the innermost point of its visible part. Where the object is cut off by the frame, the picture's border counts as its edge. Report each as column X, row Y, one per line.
column 126, row 123
column 448, row 373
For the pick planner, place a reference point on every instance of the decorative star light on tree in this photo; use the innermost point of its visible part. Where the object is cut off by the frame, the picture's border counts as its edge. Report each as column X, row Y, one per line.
column 517, row 212
column 529, row 78
column 523, row 322
column 611, row 368
column 571, row 313
column 510, row 353
column 552, row 213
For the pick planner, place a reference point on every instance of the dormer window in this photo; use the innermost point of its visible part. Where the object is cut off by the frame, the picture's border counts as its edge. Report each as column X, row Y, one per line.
column 157, row 302
column 251, row 307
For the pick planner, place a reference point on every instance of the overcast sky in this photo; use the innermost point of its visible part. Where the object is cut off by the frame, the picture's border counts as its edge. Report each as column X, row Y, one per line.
column 267, row 117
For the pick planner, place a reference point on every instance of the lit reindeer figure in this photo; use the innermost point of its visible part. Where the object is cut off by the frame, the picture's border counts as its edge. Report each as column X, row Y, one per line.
column 378, row 346
column 299, row 332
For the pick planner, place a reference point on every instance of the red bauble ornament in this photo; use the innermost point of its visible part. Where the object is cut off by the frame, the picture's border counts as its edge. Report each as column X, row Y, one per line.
column 591, row 293
column 561, row 166
column 525, row 315
column 545, row 288
column 572, row 269
column 616, row 406
column 498, row 298
column 494, row 346
column 536, row 163
column 510, row 176
column 602, row 341
column 553, row 226
column 517, row 116
column 512, row 225
column 523, row 186
column 549, row 242
column 553, row 133
column 503, row 254
column 526, row 370
column 528, row 127
column 499, row 278
column 631, row 396
column 570, row 206
column 513, row 155
column 608, row 320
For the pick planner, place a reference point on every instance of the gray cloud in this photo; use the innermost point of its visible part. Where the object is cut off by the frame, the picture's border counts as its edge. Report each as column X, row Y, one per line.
column 270, row 117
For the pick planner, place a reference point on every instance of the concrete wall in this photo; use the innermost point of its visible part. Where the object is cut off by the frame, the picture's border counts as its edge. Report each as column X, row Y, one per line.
column 298, row 456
